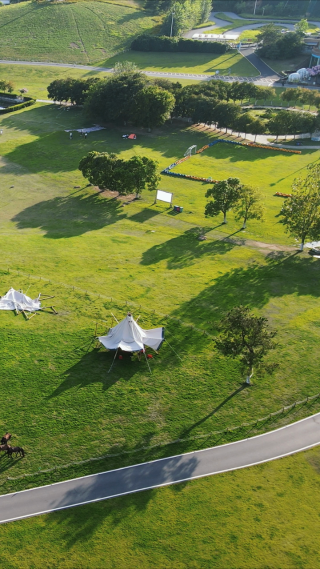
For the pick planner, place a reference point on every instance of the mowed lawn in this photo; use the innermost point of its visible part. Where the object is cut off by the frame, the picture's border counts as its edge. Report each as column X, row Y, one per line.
column 64, row 405
column 231, row 63
column 264, row 516
column 79, row 32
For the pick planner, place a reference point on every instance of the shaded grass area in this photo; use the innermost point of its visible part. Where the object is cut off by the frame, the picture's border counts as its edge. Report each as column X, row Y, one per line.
column 66, row 406
column 263, row 516
column 231, row 63
column 81, row 32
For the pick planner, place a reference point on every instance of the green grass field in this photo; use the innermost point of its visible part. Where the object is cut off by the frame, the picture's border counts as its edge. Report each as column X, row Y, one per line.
column 82, row 32
column 231, row 63
column 70, row 408
column 264, row 516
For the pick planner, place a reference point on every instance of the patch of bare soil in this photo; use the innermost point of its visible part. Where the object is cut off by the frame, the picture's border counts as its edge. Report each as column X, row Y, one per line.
column 115, row 195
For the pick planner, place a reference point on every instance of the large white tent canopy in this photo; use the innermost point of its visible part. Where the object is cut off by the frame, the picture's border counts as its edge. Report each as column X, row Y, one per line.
column 128, row 336
column 15, row 300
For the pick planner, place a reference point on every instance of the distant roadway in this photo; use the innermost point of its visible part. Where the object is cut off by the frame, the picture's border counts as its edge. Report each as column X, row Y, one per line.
column 282, row 442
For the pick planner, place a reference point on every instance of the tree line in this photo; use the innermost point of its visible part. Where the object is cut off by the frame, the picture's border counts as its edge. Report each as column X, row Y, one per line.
column 128, row 96
column 146, row 42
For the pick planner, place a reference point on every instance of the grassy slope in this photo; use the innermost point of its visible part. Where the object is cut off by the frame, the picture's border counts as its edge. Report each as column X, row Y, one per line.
column 83, row 32
column 69, row 407
column 265, row 516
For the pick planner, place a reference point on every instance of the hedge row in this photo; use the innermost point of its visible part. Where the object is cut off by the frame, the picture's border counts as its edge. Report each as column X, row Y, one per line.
column 27, row 102
column 164, row 43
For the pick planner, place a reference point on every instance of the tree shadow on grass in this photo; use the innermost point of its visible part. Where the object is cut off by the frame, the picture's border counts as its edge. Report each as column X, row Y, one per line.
column 254, row 285
column 144, row 215
column 182, row 251
column 80, row 523
column 63, row 217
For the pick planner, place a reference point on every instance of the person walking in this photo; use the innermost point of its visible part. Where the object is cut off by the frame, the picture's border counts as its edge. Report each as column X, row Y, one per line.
column 70, row 135
column 86, row 135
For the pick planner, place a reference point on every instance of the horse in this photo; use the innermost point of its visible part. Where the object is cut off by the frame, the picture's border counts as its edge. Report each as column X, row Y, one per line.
column 17, row 450
column 5, row 439
column 5, row 448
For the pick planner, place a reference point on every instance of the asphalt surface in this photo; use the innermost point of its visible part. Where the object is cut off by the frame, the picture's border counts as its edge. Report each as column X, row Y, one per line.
column 270, row 446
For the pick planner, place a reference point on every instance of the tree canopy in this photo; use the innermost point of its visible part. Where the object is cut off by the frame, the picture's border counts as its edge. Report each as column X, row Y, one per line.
column 123, row 176
column 246, row 337
column 301, row 212
column 225, row 194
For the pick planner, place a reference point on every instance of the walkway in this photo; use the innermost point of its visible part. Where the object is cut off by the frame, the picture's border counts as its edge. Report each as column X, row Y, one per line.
column 270, row 446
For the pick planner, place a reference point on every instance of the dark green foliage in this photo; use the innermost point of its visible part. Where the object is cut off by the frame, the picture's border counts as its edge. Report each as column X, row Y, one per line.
column 123, row 176
column 113, row 100
column 164, row 43
column 301, row 212
column 73, row 90
column 27, row 102
column 152, row 106
column 187, row 13
column 277, row 45
column 245, row 336
column 225, row 195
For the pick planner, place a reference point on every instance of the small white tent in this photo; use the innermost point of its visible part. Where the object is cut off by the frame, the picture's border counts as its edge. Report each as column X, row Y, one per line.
column 15, row 300
column 129, row 337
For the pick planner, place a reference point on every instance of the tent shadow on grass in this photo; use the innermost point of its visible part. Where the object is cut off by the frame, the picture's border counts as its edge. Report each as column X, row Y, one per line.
column 254, row 285
column 63, row 217
column 93, row 367
column 182, row 251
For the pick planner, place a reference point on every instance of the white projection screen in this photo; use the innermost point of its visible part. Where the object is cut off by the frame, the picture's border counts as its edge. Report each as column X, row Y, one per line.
column 164, row 196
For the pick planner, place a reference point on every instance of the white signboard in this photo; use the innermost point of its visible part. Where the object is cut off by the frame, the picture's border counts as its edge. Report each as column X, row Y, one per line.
column 164, row 196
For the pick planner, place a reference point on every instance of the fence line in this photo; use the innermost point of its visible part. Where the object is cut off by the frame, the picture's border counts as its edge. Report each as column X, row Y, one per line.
column 167, row 443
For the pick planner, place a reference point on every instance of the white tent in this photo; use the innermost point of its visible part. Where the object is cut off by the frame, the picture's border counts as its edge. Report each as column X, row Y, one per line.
column 15, row 300
column 129, row 337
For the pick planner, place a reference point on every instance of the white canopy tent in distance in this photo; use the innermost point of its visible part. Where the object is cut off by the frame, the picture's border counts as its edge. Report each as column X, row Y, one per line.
column 16, row 300
column 128, row 336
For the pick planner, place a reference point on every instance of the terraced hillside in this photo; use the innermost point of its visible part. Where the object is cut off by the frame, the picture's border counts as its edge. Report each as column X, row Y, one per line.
column 80, row 32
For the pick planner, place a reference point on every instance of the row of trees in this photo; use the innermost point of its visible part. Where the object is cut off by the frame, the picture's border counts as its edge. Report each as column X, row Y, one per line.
column 269, row 7
column 231, row 194
column 108, row 171
column 300, row 213
column 128, row 96
column 146, row 42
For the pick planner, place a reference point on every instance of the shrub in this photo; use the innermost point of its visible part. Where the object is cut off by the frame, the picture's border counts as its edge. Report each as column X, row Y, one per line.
column 145, row 42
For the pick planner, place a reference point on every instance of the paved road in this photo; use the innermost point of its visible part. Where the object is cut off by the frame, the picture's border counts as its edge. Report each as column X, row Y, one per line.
column 262, row 67
column 201, row 77
column 270, row 446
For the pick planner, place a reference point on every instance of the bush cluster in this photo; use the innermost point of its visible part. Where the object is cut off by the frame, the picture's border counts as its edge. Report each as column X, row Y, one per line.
column 27, row 102
column 145, row 42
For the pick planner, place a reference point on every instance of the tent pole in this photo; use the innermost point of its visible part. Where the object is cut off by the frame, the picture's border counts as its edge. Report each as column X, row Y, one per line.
column 115, row 355
column 144, row 351
column 172, row 349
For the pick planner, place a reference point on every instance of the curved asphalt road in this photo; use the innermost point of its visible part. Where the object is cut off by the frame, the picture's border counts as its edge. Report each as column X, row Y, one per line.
column 270, row 446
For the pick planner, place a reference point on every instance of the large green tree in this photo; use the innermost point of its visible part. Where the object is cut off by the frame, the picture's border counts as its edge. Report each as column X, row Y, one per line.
column 248, row 205
column 124, row 176
column 113, row 99
column 246, row 337
column 225, row 195
column 152, row 106
column 301, row 212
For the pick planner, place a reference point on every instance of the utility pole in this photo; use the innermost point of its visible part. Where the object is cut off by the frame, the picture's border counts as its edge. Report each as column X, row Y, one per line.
column 172, row 14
